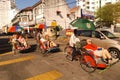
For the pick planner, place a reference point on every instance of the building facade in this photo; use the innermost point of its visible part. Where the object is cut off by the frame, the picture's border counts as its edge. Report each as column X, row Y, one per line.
column 25, row 17
column 90, row 6
column 46, row 11
column 93, row 5
column 7, row 12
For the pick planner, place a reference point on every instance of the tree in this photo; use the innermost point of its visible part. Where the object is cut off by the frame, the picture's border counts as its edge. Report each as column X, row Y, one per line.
column 107, row 14
column 116, row 12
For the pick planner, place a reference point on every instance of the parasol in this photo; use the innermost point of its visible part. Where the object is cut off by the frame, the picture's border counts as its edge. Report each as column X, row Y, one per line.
column 40, row 26
column 83, row 24
column 15, row 29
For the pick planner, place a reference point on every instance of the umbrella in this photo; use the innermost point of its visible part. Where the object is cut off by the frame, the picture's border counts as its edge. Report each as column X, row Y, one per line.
column 36, row 26
column 40, row 26
column 15, row 29
column 83, row 24
column 54, row 23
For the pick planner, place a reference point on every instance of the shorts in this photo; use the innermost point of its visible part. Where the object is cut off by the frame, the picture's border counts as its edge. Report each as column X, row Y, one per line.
column 98, row 53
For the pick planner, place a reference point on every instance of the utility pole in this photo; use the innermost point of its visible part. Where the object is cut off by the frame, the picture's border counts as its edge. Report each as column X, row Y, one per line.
column 35, row 15
column 100, row 12
column 43, row 12
column 100, row 3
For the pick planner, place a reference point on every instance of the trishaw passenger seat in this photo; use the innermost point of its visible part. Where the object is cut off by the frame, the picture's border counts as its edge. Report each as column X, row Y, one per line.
column 92, row 53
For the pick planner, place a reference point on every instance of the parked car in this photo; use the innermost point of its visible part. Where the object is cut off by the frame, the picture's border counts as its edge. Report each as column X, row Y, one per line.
column 103, row 38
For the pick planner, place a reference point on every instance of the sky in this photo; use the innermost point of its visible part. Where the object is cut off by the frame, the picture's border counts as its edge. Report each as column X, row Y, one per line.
column 26, row 3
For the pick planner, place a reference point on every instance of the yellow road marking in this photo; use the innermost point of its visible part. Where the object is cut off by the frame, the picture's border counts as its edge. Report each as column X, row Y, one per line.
column 17, row 60
column 6, row 53
column 51, row 75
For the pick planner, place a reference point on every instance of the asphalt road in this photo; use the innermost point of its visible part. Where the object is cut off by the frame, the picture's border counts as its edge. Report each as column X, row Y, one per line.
column 35, row 66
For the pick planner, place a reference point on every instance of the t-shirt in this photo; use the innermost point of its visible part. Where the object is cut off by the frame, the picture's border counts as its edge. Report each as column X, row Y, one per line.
column 73, row 40
column 22, row 41
column 43, row 40
column 91, row 47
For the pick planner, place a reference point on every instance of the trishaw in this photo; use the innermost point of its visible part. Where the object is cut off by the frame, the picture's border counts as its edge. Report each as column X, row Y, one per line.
column 44, row 49
column 88, row 60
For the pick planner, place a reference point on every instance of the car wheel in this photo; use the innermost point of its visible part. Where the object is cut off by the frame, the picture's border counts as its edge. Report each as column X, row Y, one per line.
column 115, row 53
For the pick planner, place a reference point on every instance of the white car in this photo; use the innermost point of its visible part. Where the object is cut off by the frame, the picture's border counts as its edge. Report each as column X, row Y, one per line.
column 103, row 38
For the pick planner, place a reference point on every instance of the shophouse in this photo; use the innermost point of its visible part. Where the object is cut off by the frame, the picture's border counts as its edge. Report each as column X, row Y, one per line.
column 46, row 11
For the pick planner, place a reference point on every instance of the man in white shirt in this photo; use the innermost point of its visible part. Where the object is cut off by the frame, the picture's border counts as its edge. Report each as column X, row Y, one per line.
column 73, row 40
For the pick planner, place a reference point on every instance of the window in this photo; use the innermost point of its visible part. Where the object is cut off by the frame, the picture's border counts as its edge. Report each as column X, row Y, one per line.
column 88, row 3
column 108, row 34
column 88, row 7
column 93, row 7
column 93, row 3
column 86, row 33
column 96, row 34
column 83, row 0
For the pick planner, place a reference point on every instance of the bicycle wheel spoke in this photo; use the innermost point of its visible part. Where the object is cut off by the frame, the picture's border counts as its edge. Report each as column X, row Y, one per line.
column 88, row 63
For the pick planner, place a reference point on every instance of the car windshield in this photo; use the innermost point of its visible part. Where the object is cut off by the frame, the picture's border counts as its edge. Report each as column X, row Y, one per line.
column 109, row 34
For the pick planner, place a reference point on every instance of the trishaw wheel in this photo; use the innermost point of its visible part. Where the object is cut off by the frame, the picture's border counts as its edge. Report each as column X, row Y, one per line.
column 68, row 55
column 88, row 63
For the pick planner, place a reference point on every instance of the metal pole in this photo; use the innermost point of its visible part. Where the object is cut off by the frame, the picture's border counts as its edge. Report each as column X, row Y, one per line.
column 100, row 3
column 35, row 16
column 100, row 12
column 28, row 24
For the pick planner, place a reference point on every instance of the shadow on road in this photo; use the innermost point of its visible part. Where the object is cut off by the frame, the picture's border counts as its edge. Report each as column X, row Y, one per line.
column 4, row 45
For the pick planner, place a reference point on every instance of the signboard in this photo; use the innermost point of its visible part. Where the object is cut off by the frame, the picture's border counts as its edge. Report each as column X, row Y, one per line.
column 69, row 32
column 87, row 13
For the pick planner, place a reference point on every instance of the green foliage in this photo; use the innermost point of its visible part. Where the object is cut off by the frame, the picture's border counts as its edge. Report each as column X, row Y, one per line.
column 116, row 11
column 108, row 13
